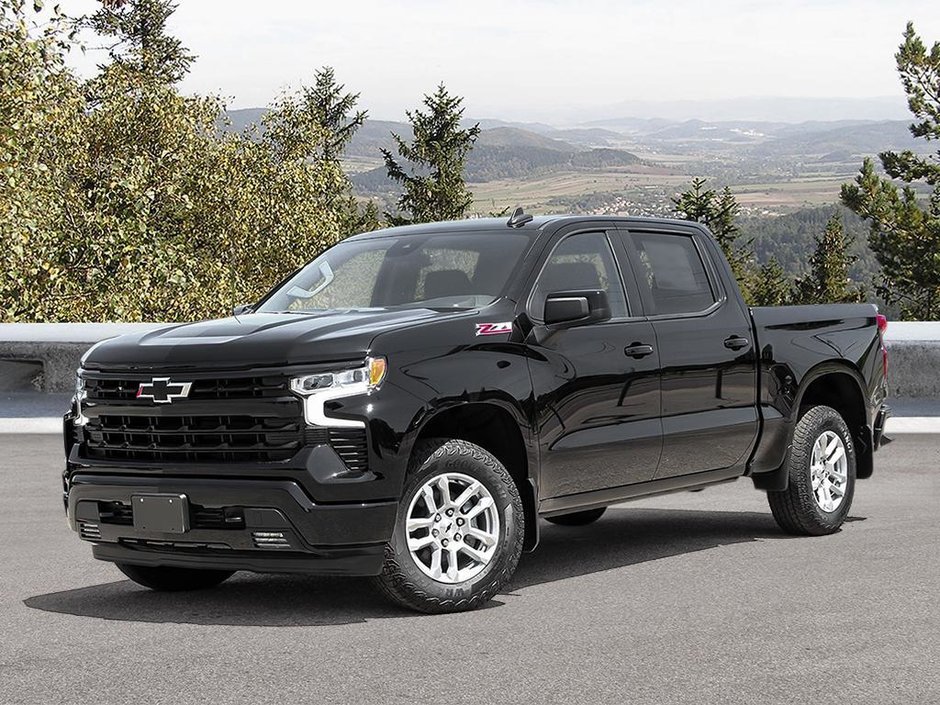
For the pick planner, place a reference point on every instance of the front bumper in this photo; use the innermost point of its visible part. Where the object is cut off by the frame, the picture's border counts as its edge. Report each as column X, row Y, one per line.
column 235, row 524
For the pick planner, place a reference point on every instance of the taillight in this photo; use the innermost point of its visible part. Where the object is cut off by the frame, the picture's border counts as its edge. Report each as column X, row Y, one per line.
column 882, row 328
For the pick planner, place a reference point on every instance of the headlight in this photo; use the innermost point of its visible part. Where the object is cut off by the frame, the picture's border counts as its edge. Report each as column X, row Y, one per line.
column 360, row 380
column 80, row 396
column 321, row 387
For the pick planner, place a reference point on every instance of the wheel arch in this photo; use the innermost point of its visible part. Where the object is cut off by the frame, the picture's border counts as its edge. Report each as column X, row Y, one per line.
column 499, row 431
column 840, row 386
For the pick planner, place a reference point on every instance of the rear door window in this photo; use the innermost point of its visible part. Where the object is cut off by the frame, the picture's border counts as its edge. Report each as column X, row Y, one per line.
column 671, row 274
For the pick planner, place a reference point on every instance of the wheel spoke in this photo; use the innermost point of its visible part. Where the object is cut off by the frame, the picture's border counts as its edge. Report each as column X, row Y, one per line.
column 428, row 495
column 832, row 447
column 836, row 455
column 418, row 544
column 483, row 504
column 481, row 536
column 475, row 554
column 436, row 554
column 443, row 484
column 467, row 494
column 827, row 498
column 416, row 523
column 836, row 489
column 452, row 563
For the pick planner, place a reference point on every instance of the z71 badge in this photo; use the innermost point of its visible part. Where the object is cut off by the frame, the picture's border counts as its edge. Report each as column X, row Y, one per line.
column 494, row 328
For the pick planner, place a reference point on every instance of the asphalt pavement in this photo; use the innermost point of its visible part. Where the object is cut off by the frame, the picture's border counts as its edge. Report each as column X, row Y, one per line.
column 690, row 598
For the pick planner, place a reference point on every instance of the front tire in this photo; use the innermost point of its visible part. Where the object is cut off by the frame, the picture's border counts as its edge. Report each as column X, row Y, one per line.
column 588, row 516
column 167, row 579
column 459, row 530
column 821, row 476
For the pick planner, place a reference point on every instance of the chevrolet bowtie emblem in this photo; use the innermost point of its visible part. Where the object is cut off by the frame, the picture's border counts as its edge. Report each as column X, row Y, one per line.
column 163, row 391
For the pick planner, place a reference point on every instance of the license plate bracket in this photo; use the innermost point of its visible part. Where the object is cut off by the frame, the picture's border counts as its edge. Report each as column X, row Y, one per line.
column 161, row 513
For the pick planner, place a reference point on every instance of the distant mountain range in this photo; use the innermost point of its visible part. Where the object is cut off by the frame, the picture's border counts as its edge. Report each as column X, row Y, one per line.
column 807, row 138
column 513, row 150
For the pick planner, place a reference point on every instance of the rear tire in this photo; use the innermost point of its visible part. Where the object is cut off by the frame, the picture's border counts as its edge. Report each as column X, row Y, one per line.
column 167, row 579
column 821, row 476
column 459, row 530
column 588, row 516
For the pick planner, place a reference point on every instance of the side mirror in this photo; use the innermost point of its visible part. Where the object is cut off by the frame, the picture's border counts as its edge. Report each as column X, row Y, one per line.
column 576, row 308
column 242, row 309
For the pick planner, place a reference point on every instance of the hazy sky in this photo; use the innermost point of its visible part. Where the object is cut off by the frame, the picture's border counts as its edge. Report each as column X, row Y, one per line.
column 549, row 59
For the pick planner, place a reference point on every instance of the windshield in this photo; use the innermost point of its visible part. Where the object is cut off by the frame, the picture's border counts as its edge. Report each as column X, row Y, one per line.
column 462, row 270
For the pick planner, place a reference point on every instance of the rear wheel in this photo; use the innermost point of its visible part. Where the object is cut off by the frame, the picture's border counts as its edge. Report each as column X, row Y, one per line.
column 821, row 469
column 166, row 579
column 459, row 531
column 588, row 516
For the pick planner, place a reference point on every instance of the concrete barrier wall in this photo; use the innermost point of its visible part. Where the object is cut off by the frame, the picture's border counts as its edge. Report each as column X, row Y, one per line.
column 46, row 355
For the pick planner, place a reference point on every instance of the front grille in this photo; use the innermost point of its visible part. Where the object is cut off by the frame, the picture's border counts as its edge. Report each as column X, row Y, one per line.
column 125, row 390
column 192, row 438
column 254, row 418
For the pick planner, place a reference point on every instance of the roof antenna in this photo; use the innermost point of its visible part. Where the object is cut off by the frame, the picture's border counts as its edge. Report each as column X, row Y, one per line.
column 518, row 218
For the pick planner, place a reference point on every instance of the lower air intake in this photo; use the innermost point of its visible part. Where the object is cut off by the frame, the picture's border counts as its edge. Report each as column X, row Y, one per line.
column 89, row 532
column 270, row 539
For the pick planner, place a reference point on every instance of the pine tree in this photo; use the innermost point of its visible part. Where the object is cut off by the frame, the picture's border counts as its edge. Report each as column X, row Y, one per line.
column 905, row 230
column 141, row 47
column 771, row 286
column 828, row 279
column 433, row 187
column 333, row 110
column 315, row 124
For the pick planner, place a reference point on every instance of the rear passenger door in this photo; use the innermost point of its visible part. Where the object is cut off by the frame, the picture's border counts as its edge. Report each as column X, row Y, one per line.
column 703, row 335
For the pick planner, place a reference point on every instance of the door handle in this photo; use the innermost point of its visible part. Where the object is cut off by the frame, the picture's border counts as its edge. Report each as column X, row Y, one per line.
column 638, row 350
column 736, row 342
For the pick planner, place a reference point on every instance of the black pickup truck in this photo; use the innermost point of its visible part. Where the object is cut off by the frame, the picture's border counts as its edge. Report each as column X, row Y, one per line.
column 408, row 404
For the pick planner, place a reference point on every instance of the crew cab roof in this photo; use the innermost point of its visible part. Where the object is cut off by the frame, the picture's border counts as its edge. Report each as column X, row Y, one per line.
column 500, row 226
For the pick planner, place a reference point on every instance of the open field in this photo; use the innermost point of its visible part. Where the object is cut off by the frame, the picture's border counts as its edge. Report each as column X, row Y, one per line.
column 646, row 193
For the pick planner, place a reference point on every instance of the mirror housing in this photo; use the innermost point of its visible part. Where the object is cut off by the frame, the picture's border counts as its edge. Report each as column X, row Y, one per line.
column 564, row 309
column 242, row 309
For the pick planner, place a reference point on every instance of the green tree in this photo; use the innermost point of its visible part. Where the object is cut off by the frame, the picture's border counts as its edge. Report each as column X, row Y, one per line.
column 718, row 211
column 138, row 43
column 130, row 204
column 41, row 109
column 771, row 286
column 828, row 280
column 905, row 228
column 316, row 123
column 434, row 187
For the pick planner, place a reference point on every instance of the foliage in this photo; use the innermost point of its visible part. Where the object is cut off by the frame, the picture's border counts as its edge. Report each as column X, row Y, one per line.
column 904, row 228
column 121, row 200
column 140, row 47
column 434, row 187
column 771, row 285
column 40, row 114
column 316, row 124
column 828, row 280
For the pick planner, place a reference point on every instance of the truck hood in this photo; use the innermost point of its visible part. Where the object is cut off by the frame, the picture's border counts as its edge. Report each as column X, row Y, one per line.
column 257, row 340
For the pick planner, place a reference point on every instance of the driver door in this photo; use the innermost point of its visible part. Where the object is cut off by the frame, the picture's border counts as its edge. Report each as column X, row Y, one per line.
column 596, row 386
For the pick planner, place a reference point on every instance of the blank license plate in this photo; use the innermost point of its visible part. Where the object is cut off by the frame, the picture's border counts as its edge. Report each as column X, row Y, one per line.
column 162, row 513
